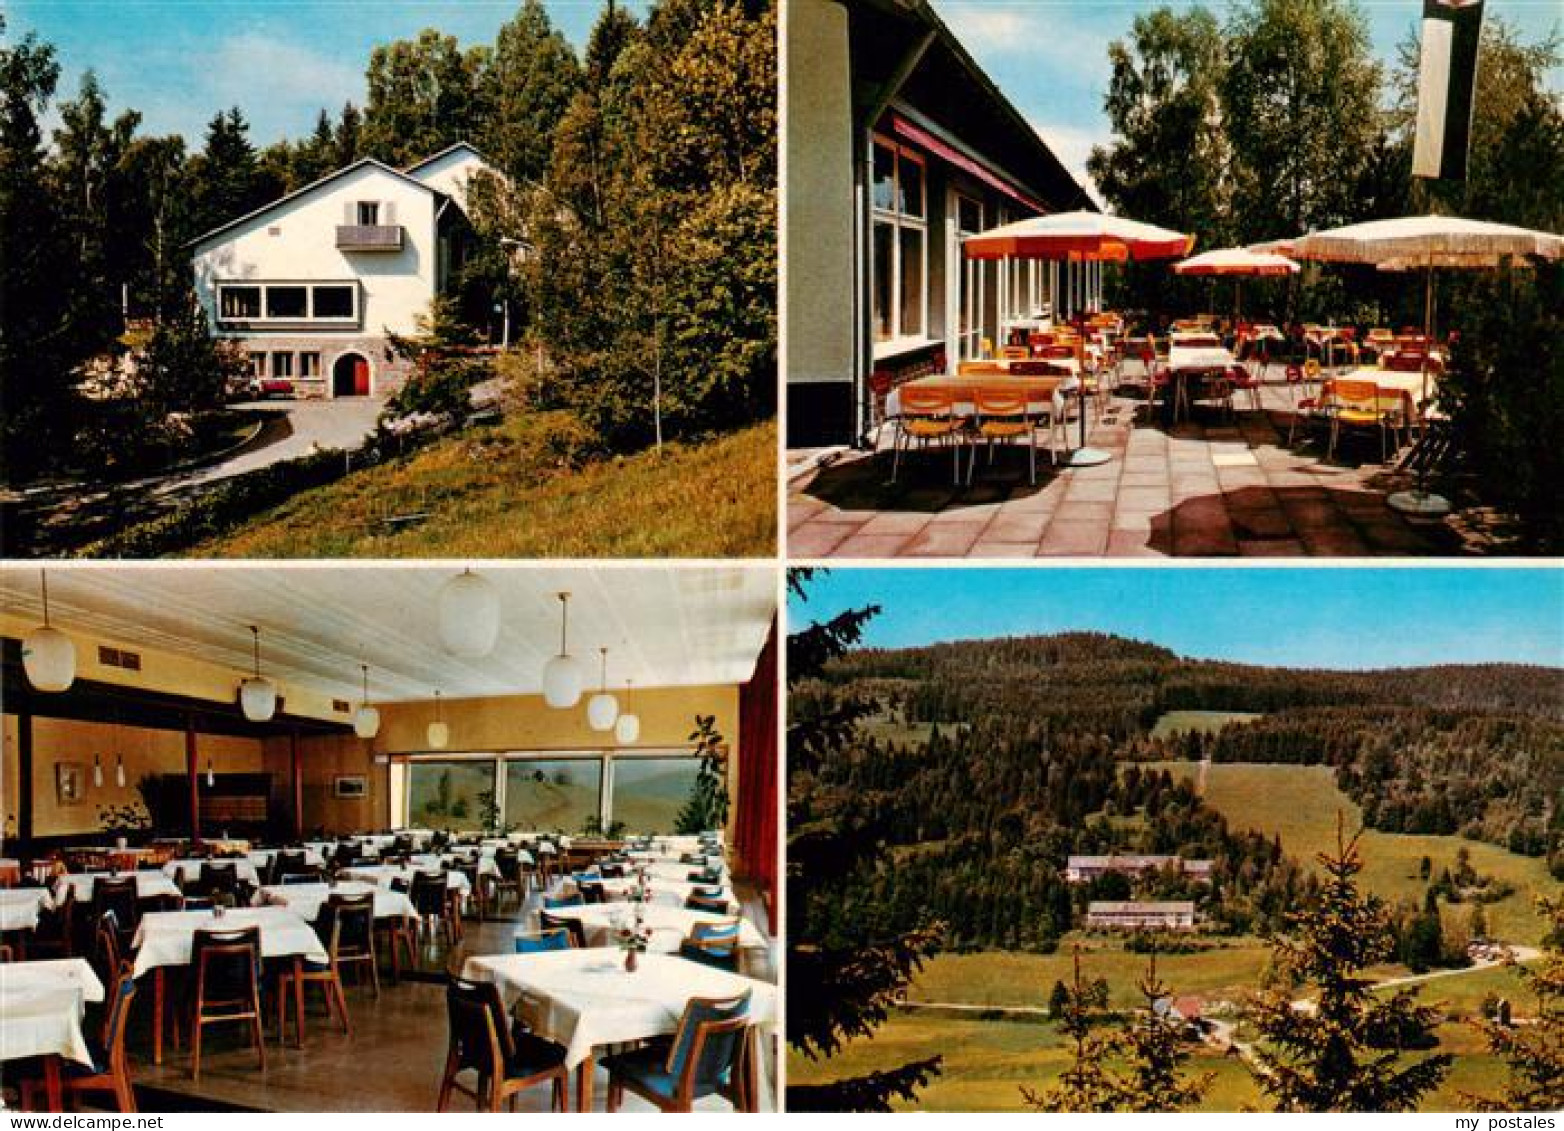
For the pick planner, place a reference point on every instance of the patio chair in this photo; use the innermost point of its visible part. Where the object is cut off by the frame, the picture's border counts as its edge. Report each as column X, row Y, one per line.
column 997, row 416
column 927, row 415
column 538, row 942
column 109, row 1071
column 713, row 944
column 707, row 1056
column 1356, row 405
column 572, row 928
column 504, row 1063
column 226, row 986
column 1241, row 380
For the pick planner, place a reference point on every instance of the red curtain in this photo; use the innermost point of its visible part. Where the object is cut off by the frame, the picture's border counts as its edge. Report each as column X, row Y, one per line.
column 755, row 813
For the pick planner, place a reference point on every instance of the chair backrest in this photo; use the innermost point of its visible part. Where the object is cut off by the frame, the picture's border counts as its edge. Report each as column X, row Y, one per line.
column 697, row 902
column 921, row 400
column 509, row 863
column 1014, row 351
column 536, row 942
column 987, row 402
column 480, row 1039
column 1037, row 367
column 347, row 922
column 713, row 944
column 305, row 874
column 592, row 890
column 571, row 927
column 1356, row 394
column 707, row 1045
column 118, row 1016
column 428, row 892
column 218, row 877
column 115, row 894
column 573, row 899
column 611, row 871
column 227, row 963
column 105, row 944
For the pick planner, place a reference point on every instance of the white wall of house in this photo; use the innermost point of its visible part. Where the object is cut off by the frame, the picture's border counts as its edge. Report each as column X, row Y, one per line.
column 451, row 172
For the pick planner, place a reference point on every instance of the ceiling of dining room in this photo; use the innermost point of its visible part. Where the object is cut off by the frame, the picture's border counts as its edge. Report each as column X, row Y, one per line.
column 664, row 626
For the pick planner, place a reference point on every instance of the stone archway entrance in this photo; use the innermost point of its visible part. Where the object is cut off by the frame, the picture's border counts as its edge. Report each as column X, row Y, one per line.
column 350, row 376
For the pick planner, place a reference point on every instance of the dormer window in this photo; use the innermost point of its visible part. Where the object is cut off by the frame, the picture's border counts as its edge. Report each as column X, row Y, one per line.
column 369, row 213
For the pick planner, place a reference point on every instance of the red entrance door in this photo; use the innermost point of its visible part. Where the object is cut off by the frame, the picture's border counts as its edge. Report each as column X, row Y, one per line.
column 360, row 377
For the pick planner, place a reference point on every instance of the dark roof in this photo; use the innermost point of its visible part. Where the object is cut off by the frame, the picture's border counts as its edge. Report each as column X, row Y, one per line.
column 951, row 90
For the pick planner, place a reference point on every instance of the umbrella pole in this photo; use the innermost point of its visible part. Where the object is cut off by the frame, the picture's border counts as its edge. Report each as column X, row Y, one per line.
column 1421, row 501
column 1084, row 456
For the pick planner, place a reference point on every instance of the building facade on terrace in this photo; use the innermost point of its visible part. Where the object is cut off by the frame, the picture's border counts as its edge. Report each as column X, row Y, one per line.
column 1084, row 869
column 313, row 285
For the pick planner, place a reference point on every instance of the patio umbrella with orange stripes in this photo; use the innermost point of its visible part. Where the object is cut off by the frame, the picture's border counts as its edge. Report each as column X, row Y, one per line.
column 1237, row 262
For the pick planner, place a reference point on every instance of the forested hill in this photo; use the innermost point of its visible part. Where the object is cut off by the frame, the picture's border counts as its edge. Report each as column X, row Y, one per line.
column 1471, row 749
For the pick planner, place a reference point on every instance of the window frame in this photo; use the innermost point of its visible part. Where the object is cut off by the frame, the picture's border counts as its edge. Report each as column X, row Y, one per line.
column 309, row 318
column 898, row 222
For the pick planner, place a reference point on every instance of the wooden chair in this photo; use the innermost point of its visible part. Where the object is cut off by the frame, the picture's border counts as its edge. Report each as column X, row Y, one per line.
column 998, row 416
column 106, row 946
column 227, row 986
column 713, row 944
column 572, row 928
column 116, row 895
column 717, row 905
column 430, row 893
column 348, row 926
column 504, row 1063
column 707, row 1056
column 508, row 862
column 538, row 942
column 110, row 1069
column 927, row 416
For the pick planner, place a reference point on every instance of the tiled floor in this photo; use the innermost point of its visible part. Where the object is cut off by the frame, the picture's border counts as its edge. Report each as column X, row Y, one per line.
column 392, row 1061
column 1214, row 486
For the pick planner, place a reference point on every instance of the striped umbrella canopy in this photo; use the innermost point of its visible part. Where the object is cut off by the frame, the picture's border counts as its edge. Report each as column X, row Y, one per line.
column 1424, row 240
column 1236, row 261
column 1078, row 235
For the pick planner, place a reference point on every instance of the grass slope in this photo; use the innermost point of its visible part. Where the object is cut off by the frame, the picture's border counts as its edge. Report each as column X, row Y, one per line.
column 508, row 491
column 1300, row 803
column 1205, row 722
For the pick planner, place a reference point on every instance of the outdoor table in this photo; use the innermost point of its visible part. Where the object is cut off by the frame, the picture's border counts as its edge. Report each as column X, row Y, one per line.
column 165, row 939
column 20, row 908
column 668, row 892
column 306, row 900
column 1185, row 361
column 149, row 885
column 41, row 1008
column 382, row 875
column 669, row 925
column 1394, row 381
column 189, row 871
column 1042, row 392
column 582, row 999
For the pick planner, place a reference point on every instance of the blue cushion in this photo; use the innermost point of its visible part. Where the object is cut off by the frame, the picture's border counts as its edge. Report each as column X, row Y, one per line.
column 647, row 1068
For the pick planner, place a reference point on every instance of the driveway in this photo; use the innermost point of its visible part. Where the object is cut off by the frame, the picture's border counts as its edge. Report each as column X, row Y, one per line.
column 293, row 429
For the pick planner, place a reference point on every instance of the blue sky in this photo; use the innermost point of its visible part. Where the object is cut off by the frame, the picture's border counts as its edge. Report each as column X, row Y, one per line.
column 1050, row 56
column 280, row 61
column 1332, row 617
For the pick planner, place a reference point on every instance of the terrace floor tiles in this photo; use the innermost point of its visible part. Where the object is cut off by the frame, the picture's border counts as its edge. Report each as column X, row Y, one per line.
column 1074, row 538
column 945, row 540
column 863, row 545
column 1017, row 526
column 986, row 549
column 817, row 539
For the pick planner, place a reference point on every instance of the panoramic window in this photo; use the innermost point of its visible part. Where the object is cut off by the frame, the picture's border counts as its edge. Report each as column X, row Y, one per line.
column 900, row 250
column 334, row 301
column 650, row 792
column 285, row 302
column 553, row 794
column 449, row 795
column 239, row 302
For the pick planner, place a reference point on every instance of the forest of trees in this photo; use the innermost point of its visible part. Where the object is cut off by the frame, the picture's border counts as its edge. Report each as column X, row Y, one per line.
column 643, row 171
column 1472, row 750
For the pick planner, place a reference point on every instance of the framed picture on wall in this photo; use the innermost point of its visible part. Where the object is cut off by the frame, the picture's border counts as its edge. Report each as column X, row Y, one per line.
column 350, row 785
column 70, row 782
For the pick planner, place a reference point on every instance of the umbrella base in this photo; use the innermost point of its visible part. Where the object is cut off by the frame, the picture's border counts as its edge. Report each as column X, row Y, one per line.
column 1088, row 457
column 1425, row 504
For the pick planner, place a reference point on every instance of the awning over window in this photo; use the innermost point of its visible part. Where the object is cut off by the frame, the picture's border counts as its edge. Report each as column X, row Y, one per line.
column 919, row 136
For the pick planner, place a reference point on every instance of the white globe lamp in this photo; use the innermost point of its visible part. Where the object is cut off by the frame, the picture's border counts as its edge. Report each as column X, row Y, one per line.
column 257, row 694
column 469, row 613
column 602, row 708
column 562, row 674
column 48, row 656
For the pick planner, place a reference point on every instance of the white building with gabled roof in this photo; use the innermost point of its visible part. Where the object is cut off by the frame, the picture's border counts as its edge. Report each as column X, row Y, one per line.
column 313, row 284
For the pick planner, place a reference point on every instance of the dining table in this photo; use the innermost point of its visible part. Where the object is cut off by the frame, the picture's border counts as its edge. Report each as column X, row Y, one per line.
column 1188, row 362
column 42, row 1004
column 583, row 1000
column 672, row 893
column 261, row 858
column 149, row 885
column 189, row 871
column 384, row 875
column 21, row 907
column 306, row 900
column 165, row 939
column 669, row 926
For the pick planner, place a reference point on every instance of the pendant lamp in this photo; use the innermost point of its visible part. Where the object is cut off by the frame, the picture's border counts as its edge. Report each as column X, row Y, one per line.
column 562, row 674
column 628, row 726
column 438, row 734
column 366, row 720
column 469, row 609
column 48, row 656
column 257, row 694
column 602, row 708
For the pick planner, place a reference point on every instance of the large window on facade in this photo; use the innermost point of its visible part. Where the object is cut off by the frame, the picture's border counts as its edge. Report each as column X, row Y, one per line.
column 448, row 795
column 969, row 337
column 241, row 302
column 900, row 243
column 287, row 302
column 553, row 794
column 334, row 302
column 649, row 792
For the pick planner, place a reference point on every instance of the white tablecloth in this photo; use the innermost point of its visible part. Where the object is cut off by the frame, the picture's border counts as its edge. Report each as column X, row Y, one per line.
column 669, row 925
column 41, row 1007
column 585, row 998
column 673, row 870
column 307, row 899
column 383, row 874
column 429, row 862
column 1183, row 359
column 165, row 937
column 149, row 885
column 191, row 869
column 262, row 857
column 671, row 893
column 20, row 908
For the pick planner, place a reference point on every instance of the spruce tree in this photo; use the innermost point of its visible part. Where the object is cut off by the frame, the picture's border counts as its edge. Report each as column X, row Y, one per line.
column 844, row 971
column 1087, row 1085
column 1534, row 1053
column 1340, row 1050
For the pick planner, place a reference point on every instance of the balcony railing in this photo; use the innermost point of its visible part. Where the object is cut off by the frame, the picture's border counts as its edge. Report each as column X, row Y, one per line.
column 369, row 237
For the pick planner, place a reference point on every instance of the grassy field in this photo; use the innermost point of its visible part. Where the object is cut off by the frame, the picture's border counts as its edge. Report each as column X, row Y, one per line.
column 986, row 1062
column 505, row 492
column 1300, row 803
column 1206, row 722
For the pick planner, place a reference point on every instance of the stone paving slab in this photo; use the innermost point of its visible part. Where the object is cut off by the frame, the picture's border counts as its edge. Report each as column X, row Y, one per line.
column 1212, row 487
